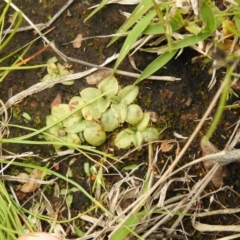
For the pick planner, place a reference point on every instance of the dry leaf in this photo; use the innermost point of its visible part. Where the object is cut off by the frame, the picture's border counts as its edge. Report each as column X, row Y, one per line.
column 177, row 135
column 207, row 149
column 20, row 195
column 166, row 147
column 56, row 165
column 228, row 45
column 98, row 76
column 77, row 42
column 217, row 179
column 23, row 176
column 225, row 26
column 32, row 186
column 153, row 116
column 56, row 101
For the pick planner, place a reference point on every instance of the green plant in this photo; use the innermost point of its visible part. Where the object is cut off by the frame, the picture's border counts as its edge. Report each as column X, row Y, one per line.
column 11, row 215
column 16, row 22
column 56, row 71
column 167, row 27
column 19, row 219
column 99, row 110
column 6, row 37
column 13, row 218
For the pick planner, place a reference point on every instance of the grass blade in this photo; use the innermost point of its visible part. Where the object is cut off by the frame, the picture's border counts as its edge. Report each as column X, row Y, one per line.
column 138, row 12
column 18, row 16
column 101, row 5
column 207, row 17
column 155, row 65
column 122, row 232
column 158, row 28
column 132, row 37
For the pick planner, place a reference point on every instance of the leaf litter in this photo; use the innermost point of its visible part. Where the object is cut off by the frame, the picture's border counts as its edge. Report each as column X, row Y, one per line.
column 77, row 42
column 32, row 186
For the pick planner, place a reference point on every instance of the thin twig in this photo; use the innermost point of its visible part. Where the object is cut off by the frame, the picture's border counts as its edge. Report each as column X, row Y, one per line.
column 25, row 180
column 41, row 26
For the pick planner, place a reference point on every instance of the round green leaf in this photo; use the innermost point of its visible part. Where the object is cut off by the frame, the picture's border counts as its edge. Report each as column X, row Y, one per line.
column 109, row 86
column 150, row 134
column 51, row 119
column 91, row 112
column 137, row 139
column 115, row 99
column 52, row 68
column 109, row 121
column 75, row 102
column 134, row 114
column 90, row 123
column 103, row 104
column 76, row 128
column 94, row 135
column 67, row 83
column 63, row 74
column 71, row 120
column 123, row 140
column 46, row 78
column 60, row 110
column 119, row 111
column 128, row 94
column 144, row 122
column 73, row 138
column 130, row 130
column 88, row 94
column 54, row 130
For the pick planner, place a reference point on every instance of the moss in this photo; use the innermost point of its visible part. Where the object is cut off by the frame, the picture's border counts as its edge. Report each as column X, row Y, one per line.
column 37, row 119
column 16, row 113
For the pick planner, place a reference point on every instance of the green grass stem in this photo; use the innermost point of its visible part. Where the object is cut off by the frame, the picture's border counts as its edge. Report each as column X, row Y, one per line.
column 221, row 104
column 17, row 16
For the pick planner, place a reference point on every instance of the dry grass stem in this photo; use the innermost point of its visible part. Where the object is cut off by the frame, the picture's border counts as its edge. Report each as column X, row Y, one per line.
column 26, row 180
column 40, row 26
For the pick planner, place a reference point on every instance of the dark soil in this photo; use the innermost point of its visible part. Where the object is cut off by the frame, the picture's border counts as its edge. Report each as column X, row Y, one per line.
column 178, row 104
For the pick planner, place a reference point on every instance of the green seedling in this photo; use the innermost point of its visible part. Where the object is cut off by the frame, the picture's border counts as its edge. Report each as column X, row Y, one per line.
column 56, row 70
column 113, row 106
